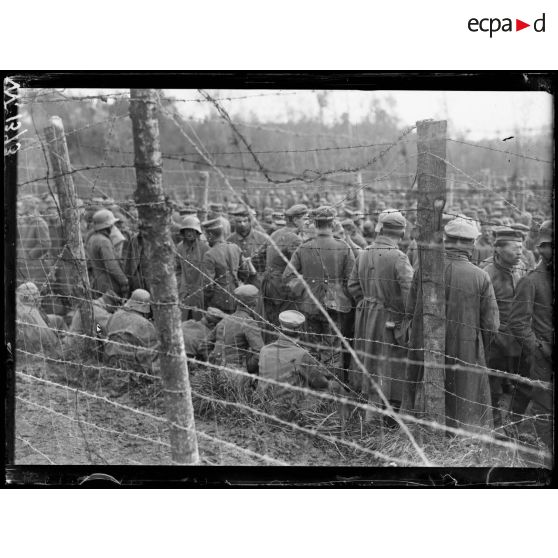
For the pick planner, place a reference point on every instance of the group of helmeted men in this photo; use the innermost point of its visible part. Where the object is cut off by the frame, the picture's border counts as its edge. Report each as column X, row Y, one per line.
column 270, row 298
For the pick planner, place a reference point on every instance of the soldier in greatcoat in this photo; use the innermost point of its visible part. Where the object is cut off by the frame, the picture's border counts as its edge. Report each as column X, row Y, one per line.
column 199, row 335
column 325, row 264
column 190, row 252
column 107, row 273
column 221, row 264
column 380, row 283
column 531, row 322
column 276, row 296
column 471, row 322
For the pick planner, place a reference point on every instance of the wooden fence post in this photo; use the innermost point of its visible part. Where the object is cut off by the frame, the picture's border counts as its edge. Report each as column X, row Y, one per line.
column 73, row 256
column 155, row 225
column 431, row 177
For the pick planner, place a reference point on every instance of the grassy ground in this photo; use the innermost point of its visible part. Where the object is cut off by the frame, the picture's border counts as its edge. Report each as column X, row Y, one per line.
column 54, row 425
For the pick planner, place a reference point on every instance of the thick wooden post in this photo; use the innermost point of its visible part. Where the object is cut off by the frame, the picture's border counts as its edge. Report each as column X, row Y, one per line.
column 431, row 177
column 155, row 225
column 73, row 258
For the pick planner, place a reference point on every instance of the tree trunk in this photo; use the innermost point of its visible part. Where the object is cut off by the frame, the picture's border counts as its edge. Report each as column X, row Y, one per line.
column 155, row 225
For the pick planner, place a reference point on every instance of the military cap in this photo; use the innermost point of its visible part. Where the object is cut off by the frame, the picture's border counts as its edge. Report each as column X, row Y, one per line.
column 324, row 213
column 190, row 222
column 546, row 233
column 520, row 227
column 497, row 222
column 213, row 225
column 296, row 210
column 461, row 228
column 506, row 234
column 139, row 301
column 391, row 219
column 246, row 293
column 239, row 211
column 347, row 223
column 291, row 319
column 215, row 313
column 267, row 211
column 216, row 207
column 187, row 209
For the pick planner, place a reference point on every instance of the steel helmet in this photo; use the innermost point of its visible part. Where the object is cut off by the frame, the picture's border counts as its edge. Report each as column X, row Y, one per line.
column 27, row 293
column 103, row 219
column 190, row 222
column 139, row 301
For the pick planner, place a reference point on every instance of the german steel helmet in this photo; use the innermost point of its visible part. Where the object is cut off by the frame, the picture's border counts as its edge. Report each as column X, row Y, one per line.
column 103, row 219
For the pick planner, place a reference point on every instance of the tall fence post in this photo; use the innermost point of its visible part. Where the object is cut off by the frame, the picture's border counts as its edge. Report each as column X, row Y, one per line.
column 73, row 256
column 431, row 171
column 155, row 225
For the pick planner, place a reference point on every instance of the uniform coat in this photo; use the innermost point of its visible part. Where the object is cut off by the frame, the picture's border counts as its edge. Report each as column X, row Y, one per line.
column 197, row 337
column 285, row 361
column 105, row 266
column 321, row 261
column 238, row 342
column 530, row 321
column 33, row 249
column 481, row 252
column 379, row 283
column 253, row 245
column 221, row 264
column 471, row 321
column 190, row 279
column 277, row 297
column 135, row 263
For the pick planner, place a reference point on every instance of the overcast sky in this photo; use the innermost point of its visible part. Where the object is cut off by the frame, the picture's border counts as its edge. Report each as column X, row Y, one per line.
column 479, row 114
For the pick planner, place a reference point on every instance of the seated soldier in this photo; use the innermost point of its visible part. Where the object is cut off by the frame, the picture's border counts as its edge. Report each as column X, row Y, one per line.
column 285, row 361
column 199, row 335
column 238, row 337
column 33, row 331
column 132, row 339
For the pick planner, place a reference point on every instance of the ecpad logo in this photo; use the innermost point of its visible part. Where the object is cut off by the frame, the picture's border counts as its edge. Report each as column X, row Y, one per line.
column 493, row 25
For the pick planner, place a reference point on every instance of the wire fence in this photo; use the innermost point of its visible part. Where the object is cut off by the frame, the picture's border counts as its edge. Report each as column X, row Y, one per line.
column 107, row 407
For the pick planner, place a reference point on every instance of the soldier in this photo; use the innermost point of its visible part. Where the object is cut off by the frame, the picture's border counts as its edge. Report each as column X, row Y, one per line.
column 33, row 332
column 352, row 236
column 132, row 339
column 200, row 335
column 471, row 321
column 33, row 242
column 267, row 220
column 190, row 253
column 530, row 321
column 105, row 266
column 216, row 212
column 483, row 247
column 277, row 298
column 238, row 338
column 135, row 264
column 379, row 283
column 325, row 264
column 527, row 257
column 221, row 264
column 278, row 219
column 287, row 362
column 504, row 352
column 253, row 245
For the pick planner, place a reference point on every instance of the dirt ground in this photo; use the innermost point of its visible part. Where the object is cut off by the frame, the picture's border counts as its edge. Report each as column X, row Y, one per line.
column 55, row 424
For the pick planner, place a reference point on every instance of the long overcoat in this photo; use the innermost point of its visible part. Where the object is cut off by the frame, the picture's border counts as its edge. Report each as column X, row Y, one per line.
column 472, row 320
column 33, row 249
column 380, row 283
column 190, row 281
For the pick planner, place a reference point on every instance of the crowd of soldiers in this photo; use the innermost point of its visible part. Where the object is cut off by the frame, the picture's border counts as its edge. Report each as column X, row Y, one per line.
column 266, row 292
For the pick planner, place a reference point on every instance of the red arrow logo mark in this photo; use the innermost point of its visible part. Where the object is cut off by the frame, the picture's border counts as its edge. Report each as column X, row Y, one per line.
column 519, row 25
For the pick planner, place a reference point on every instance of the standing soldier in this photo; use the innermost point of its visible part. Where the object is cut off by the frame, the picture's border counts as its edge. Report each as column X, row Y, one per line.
column 471, row 321
column 216, row 212
column 191, row 251
column 253, row 245
column 530, row 321
column 504, row 274
column 221, row 264
column 527, row 257
column 267, row 220
column 379, row 283
column 483, row 246
column 277, row 298
column 325, row 264
column 105, row 266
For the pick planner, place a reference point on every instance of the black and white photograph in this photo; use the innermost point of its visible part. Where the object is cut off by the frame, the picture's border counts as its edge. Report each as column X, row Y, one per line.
column 290, row 276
